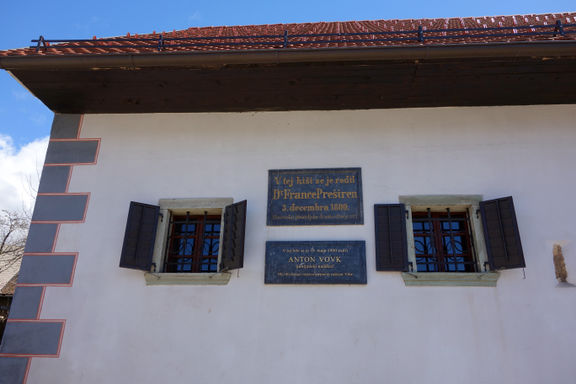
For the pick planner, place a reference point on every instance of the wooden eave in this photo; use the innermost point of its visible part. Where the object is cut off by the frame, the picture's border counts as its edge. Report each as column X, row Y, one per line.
column 541, row 72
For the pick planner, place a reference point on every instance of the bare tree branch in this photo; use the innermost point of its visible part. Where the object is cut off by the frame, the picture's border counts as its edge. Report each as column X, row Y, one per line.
column 13, row 232
column 14, row 225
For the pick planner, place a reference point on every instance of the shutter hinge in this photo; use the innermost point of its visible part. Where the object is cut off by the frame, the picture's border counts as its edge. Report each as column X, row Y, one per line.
column 161, row 215
column 486, row 263
column 478, row 213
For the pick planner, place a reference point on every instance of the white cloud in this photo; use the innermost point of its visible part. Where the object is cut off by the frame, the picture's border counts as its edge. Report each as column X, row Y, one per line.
column 20, row 172
column 196, row 16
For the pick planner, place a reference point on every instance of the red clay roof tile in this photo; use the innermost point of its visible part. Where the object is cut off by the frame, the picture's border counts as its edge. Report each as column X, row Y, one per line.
column 469, row 30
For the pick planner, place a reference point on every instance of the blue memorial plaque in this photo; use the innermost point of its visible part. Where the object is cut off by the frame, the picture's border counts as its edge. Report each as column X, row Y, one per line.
column 315, row 262
column 315, row 196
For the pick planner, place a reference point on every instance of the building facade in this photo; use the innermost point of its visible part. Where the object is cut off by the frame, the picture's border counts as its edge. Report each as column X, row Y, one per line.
column 115, row 292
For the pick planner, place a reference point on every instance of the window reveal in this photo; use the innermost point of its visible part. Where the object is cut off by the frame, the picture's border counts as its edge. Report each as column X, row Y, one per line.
column 194, row 244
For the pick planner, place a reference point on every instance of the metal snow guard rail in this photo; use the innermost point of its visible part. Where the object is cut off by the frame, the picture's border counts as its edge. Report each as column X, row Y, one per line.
column 287, row 40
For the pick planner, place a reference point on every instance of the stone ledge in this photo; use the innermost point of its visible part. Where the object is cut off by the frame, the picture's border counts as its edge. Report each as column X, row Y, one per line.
column 221, row 278
column 450, row 279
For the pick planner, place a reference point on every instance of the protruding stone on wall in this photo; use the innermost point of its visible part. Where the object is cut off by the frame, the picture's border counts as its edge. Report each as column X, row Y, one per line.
column 49, row 269
column 27, row 338
column 26, row 303
column 41, row 238
column 54, row 179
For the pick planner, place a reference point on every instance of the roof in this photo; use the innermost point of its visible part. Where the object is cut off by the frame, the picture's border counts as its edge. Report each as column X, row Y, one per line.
column 8, row 273
column 504, row 60
column 10, row 286
column 350, row 34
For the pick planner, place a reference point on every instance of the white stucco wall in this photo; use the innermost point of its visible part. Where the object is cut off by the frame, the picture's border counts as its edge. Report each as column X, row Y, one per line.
column 120, row 331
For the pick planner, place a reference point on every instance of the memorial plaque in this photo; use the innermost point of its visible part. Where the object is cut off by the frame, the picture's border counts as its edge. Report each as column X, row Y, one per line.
column 315, row 196
column 315, row 262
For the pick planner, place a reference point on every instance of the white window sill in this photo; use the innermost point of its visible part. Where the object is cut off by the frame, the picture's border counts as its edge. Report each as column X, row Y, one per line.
column 221, row 278
column 450, row 279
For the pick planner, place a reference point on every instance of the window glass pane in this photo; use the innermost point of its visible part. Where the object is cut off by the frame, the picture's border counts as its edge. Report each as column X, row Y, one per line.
column 212, row 228
column 209, row 265
column 188, row 248
column 420, row 245
column 210, row 247
column 454, row 225
column 184, row 228
column 426, row 264
column 184, row 265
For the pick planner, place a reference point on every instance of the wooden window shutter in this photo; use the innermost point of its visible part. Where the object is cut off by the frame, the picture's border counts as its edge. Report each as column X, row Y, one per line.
column 140, row 236
column 501, row 233
column 391, row 242
column 233, row 239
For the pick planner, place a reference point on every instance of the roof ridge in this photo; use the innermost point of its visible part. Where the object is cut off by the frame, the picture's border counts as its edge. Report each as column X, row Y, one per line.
column 311, row 35
column 375, row 20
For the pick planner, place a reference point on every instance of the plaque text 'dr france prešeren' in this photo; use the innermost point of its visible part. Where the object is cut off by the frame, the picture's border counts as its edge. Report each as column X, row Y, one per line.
column 315, row 196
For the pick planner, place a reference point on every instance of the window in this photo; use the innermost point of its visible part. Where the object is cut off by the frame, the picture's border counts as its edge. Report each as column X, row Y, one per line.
column 185, row 241
column 193, row 244
column 447, row 239
column 442, row 242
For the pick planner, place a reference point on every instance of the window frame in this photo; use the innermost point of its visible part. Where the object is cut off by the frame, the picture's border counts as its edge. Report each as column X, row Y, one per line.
column 195, row 206
column 456, row 203
column 192, row 260
column 432, row 236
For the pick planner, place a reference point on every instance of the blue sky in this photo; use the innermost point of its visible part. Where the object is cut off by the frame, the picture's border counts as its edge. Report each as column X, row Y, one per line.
column 24, row 118
column 25, row 122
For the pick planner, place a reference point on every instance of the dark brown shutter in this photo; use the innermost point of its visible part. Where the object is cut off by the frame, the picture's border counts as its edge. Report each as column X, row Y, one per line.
column 501, row 234
column 140, row 236
column 233, row 239
column 391, row 242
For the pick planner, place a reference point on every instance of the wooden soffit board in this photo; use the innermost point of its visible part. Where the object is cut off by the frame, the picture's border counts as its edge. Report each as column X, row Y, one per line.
column 307, row 86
